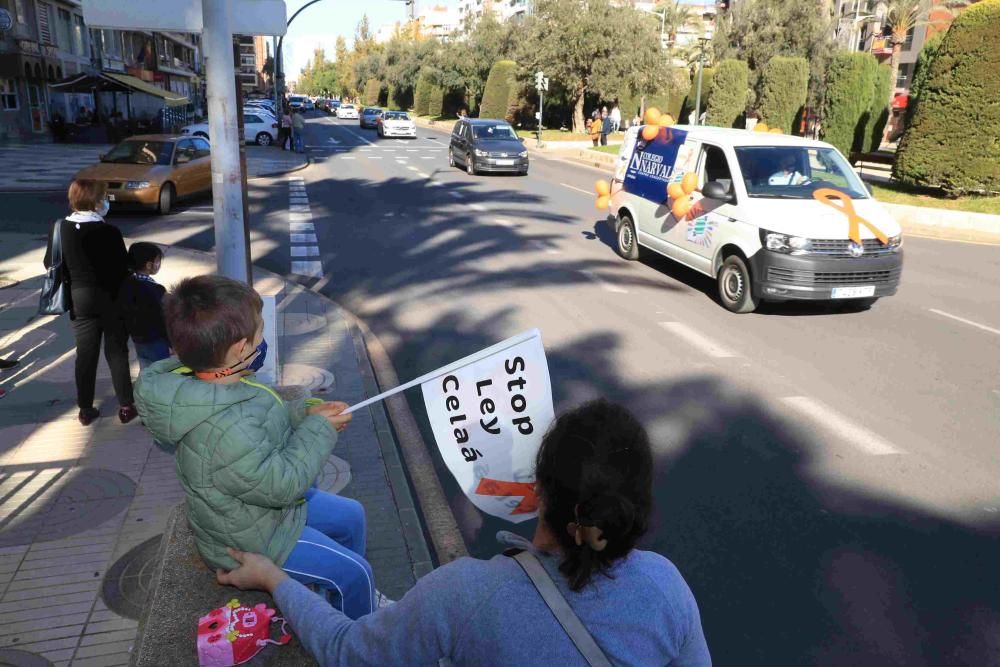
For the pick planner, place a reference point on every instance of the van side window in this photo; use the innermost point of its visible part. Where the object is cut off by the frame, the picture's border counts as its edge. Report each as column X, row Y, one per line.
column 457, row 130
column 715, row 166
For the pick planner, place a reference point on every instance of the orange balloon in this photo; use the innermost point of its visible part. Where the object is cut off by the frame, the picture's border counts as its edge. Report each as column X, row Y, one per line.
column 652, row 116
column 666, row 120
column 761, row 127
column 602, row 188
column 689, row 182
column 603, row 202
column 650, row 132
column 776, row 130
column 681, row 207
column 675, row 191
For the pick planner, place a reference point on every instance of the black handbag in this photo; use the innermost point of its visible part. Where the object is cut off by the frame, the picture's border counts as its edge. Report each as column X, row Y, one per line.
column 55, row 297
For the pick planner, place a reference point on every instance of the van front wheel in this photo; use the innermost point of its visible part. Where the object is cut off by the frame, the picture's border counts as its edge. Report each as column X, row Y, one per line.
column 628, row 245
column 735, row 289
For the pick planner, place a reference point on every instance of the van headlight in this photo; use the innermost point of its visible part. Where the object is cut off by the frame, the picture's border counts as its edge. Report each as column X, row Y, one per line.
column 523, row 154
column 895, row 242
column 784, row 243
column 480, row 153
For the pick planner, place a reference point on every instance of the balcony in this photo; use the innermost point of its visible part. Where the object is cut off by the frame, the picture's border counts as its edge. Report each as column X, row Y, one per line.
column 882, row 46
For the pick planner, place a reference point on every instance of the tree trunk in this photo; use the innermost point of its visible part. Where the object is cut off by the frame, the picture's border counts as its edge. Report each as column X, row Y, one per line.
column 579, row 125
column 897, row 49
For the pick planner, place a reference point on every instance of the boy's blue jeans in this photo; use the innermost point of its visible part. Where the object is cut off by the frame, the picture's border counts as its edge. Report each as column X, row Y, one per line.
column 297, row 139
column 330, row 553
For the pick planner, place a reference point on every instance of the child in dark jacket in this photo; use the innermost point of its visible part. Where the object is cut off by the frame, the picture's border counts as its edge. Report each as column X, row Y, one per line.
column 141, row 300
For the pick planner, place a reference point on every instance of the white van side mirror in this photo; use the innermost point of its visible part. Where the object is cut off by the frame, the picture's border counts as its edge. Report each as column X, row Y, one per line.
column 719, row 192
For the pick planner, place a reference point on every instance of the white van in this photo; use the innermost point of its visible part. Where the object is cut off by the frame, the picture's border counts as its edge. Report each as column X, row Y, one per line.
column 757, row 225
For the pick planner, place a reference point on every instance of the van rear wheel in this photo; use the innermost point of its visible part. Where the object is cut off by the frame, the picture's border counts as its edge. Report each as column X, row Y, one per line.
column 628, row 245
column 735, row 287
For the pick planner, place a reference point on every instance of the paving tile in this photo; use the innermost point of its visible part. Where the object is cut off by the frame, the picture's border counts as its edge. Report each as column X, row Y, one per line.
column 102, row 649
column 113, row 624
column 108, row 637
column 41, row 635
column 115, row 660
column 47, row 601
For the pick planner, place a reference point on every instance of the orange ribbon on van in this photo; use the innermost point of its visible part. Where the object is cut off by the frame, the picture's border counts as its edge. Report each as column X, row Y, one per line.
column 854, row 221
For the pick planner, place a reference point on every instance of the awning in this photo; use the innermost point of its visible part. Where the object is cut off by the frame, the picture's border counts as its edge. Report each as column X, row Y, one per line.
column 900, row 101
column 89, row 83
column 171, row 98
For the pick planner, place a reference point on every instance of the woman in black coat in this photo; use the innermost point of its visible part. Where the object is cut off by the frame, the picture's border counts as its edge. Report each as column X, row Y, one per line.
column 96, row 261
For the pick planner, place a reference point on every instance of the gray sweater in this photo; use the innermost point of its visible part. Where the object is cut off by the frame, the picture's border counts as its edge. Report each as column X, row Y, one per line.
column 477, row 612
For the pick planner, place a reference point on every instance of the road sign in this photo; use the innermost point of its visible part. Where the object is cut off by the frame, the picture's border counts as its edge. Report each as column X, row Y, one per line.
column 246, row 17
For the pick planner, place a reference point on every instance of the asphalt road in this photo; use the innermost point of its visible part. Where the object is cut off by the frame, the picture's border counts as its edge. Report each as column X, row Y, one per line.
column 826, row 480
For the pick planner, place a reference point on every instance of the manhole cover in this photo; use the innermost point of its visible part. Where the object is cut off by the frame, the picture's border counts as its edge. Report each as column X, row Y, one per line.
column 315, row 379
column 12, row 657
column 86, row 498
column 126, row 585
column 303, row 323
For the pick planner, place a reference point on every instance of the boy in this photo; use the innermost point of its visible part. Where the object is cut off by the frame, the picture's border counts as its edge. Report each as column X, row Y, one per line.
column 141, row 300
column 246, row 459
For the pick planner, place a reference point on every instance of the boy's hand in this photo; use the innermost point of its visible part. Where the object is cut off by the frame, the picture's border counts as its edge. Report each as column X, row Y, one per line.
column 255, row 572
column 332, row 410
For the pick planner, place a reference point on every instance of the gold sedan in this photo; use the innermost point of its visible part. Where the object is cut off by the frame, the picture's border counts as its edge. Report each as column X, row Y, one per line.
column 154, row 170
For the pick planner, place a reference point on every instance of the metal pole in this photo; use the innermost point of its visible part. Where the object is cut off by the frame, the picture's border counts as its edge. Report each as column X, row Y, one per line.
column 238, row 87
column 541, row 110
column 274, row 77
column 701, row 71
column 231, row 241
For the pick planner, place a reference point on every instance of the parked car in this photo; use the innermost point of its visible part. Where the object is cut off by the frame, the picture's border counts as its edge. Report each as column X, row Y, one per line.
column 487, row 145
column 258, row 109
column 334, row 105
column 347, row 111
column 154, row 170
column 397, row 124
column 296, row 102
column 257, row 127
column 769, row 217
column 369, row 117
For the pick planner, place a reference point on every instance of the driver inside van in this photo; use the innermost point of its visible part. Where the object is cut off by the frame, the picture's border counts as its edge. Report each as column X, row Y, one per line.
column 787, row 175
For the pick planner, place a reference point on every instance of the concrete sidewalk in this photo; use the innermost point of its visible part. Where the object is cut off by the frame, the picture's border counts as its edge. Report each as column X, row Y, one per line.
column 34, row 167
column 81, row 509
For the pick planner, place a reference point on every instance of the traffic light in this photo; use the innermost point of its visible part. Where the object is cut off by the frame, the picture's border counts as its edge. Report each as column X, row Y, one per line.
column 540, row 80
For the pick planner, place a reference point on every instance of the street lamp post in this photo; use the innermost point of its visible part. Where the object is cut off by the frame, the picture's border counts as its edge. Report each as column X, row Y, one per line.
column 701, row 71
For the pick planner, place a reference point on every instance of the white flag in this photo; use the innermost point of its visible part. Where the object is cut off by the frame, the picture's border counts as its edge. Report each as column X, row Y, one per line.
column 488, row 413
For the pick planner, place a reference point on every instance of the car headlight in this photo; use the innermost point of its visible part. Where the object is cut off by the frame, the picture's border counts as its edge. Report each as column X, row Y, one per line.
column 136, row 185
column 480, row 153
column 895, row 242
column 784, row 243
column 523, row 153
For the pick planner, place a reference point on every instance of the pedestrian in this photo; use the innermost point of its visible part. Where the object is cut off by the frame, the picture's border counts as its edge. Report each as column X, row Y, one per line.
column 616, row 118
column 298, row 130
column 637, row 121
column 246, row 458
column 141, row 301
column 595, row 128
column 605, row 127
column 595, row 484
column 94, row 256
column 285, row 129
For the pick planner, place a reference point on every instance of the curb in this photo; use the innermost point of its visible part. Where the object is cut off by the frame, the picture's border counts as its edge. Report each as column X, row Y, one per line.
column 272, row 174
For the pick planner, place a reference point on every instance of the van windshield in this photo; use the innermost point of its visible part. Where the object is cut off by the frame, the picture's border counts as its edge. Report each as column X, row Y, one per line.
column 791, row 172
column 503, row 132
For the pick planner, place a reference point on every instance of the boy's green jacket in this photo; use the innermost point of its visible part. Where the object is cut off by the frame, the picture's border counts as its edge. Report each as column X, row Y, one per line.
column 244, row 457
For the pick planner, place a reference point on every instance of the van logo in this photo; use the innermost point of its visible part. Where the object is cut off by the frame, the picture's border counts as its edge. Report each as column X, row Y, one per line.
column 856, row 249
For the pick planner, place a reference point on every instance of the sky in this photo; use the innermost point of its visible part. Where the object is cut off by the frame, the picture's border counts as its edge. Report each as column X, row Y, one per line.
column 320, row 24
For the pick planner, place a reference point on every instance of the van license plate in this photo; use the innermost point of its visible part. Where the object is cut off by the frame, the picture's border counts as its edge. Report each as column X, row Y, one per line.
column 505, row 163
column 853, row 292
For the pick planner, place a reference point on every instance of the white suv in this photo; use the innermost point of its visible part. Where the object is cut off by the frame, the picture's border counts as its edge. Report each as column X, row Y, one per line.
column 347, row 111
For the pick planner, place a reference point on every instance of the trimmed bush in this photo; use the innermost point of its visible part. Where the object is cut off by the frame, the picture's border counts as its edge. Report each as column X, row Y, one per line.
column 784, row 87
column 421, row 95
column 435, row 102
column 850, row 86
column 372, row 90
column 878, row 112
column 729, row 93
column 954, row 140
column 498, row 90
column 920, row 72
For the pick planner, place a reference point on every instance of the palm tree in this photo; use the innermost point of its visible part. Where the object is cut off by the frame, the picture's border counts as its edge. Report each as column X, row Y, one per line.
column 674, row 16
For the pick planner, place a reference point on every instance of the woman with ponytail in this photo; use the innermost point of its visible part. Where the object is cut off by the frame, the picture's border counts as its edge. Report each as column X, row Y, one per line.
column 630, row 607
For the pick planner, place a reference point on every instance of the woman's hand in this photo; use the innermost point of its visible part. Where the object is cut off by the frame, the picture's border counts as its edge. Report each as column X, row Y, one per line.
column 255, row 572
column 333, row 412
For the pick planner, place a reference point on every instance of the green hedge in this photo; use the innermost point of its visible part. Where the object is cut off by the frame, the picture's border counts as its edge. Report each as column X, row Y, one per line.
column 435, row 103
column 850, row 88
column 784, row 87
column 498, row 91
column 729, row 93
column 373, row 87
column 954, row 140
column 878, row 110
column 421, row 95
column 920, row 72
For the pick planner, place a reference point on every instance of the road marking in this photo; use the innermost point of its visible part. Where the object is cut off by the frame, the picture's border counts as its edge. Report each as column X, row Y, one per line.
column 965, row 321
column 296, row 179
column 426, row 157
column 299, row 208
column 374, row 157
column 301, row 227
column 453, row 193
column 411, row 150
column 311, row 269
column 503, row 222
column 298, row 201
column 302, row 238
column 841, row 427
column 348, row 158
column 423, row 174
column 350, row 131
column 333, row 141
column 413, row 169
column 606, row 286
column 305, row 251
column 696, row 340
column 477, row 207
column 573, row 187
column 547, row 249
